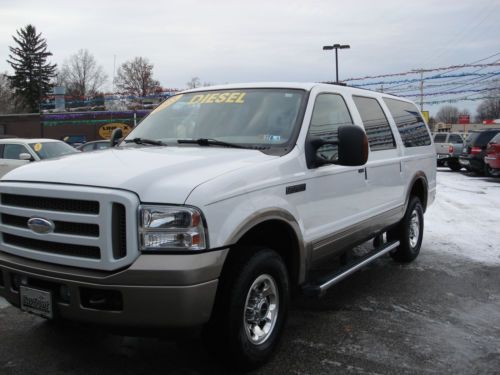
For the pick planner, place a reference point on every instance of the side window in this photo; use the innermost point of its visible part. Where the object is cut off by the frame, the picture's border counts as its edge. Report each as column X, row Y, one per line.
column 410, row 124
column 455, row 138
column 330, row 112
column 12, row 151
column 440, row 138
column 375, row 122
column 88, row 147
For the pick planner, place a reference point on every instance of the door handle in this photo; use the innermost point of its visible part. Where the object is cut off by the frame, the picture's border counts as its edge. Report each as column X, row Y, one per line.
column 361, row 170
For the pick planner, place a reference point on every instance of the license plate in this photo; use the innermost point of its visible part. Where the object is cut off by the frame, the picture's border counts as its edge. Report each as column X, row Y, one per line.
column 464, row 162
column 36, row 301
column 442, row 156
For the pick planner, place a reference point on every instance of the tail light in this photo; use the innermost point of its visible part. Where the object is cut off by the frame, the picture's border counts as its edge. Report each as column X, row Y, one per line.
column 475, row 150
column 450, row 149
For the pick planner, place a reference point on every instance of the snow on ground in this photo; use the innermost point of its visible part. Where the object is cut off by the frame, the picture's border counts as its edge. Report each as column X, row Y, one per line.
column 464, row 220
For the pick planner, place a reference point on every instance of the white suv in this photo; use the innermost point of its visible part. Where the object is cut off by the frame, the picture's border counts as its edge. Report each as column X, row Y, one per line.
column 218, row 205
column 15, row 152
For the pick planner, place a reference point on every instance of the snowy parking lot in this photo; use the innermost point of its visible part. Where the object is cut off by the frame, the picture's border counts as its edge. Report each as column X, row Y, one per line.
column 439, row 314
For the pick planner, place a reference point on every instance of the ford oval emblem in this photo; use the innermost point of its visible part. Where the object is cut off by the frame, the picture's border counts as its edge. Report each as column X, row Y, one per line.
column 41, row 226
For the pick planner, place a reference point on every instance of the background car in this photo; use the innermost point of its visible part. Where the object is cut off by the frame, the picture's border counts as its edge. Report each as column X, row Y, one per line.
column 448, row 149
column 15, row 152
column 492, row 158
column 75, row 140
column 94, row 145
column 474, row 151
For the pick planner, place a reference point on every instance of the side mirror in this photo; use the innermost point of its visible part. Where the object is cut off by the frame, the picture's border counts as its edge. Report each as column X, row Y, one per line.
column 25, row 156
column 115, row 137
column 351, row 148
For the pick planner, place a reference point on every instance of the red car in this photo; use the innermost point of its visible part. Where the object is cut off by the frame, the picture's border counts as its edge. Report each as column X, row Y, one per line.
column 492, row 158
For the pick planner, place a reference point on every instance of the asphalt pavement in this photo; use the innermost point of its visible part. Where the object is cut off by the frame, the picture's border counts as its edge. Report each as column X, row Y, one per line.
column 437, row 315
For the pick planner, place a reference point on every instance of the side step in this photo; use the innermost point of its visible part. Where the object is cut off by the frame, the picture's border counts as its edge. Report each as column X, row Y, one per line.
column 320, row 288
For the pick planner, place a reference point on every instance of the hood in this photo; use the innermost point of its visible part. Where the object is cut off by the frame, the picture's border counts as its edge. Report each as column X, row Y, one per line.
column 155, row 174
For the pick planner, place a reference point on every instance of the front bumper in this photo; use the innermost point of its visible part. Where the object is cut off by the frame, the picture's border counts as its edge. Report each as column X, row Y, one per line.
column 164, row 291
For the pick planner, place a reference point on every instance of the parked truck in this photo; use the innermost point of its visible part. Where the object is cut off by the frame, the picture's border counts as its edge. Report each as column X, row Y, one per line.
column 218, row 206
column 448, row 149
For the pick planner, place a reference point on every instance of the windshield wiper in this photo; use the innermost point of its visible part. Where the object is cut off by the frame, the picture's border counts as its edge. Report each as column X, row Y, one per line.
column 145, row 141
column 210, row 142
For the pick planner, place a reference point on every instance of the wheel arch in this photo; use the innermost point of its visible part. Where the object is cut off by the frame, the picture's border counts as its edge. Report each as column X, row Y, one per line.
column 418, row 187
column 277, row 230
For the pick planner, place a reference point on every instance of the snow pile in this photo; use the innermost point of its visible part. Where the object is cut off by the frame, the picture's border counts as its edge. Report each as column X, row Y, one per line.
column 464, row 220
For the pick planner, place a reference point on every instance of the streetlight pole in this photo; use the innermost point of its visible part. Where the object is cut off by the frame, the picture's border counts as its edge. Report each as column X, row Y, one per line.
column 336, row 47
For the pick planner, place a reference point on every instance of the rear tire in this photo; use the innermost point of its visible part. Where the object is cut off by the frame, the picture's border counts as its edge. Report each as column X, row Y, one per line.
column 250, row 309
column 409, row 232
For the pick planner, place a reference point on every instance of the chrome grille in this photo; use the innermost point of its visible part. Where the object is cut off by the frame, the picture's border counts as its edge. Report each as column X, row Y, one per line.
column 93, row 227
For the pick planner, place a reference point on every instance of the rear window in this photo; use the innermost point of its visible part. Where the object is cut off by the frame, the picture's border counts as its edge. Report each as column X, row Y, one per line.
column 440, row 138
column 455, row 138
column 410, row 124
column 479, row 139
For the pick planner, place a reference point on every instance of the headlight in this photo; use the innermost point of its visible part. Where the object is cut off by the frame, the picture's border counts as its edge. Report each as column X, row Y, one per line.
column 171, row 228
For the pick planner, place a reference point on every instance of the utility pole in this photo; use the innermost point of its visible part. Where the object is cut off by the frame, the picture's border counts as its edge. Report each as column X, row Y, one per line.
column 421, row 71
column 336, row 47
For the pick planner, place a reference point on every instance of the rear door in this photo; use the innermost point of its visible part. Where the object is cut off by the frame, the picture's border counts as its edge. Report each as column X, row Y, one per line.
column 383, row 169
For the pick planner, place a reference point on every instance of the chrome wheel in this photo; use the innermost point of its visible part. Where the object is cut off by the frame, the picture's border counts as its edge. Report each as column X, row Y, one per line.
column 414, row 228
column 261, row 309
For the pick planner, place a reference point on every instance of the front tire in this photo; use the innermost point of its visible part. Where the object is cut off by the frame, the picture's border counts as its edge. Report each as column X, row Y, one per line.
column 409, row 232
column 250, row 309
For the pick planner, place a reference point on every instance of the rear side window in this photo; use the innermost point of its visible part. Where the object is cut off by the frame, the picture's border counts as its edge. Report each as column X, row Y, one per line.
column 376, row 125
column 440, row 138
column 410, row 124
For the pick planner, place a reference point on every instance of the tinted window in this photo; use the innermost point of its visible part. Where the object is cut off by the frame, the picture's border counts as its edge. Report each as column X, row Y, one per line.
column 376, row 125
column 12, row 151
column 410, row 124
column 440, row 138
column 88, row 147
column 483, row 138
column 330, row 112
column 455, row 138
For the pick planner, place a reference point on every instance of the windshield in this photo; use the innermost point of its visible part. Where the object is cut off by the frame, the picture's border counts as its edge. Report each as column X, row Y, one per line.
column 248, row 117
column 47, row 150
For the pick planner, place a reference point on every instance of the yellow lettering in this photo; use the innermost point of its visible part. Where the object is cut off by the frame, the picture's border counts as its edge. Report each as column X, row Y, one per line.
column 222, row 98
column 240, row 98
column 196, row 99
column 232, row 97
column 211, row 98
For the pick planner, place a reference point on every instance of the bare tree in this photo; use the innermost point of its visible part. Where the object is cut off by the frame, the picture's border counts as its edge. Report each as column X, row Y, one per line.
column 81, row 75
column 136, row 77
column 7, row 95
column 194, row 83
column 448, row 114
